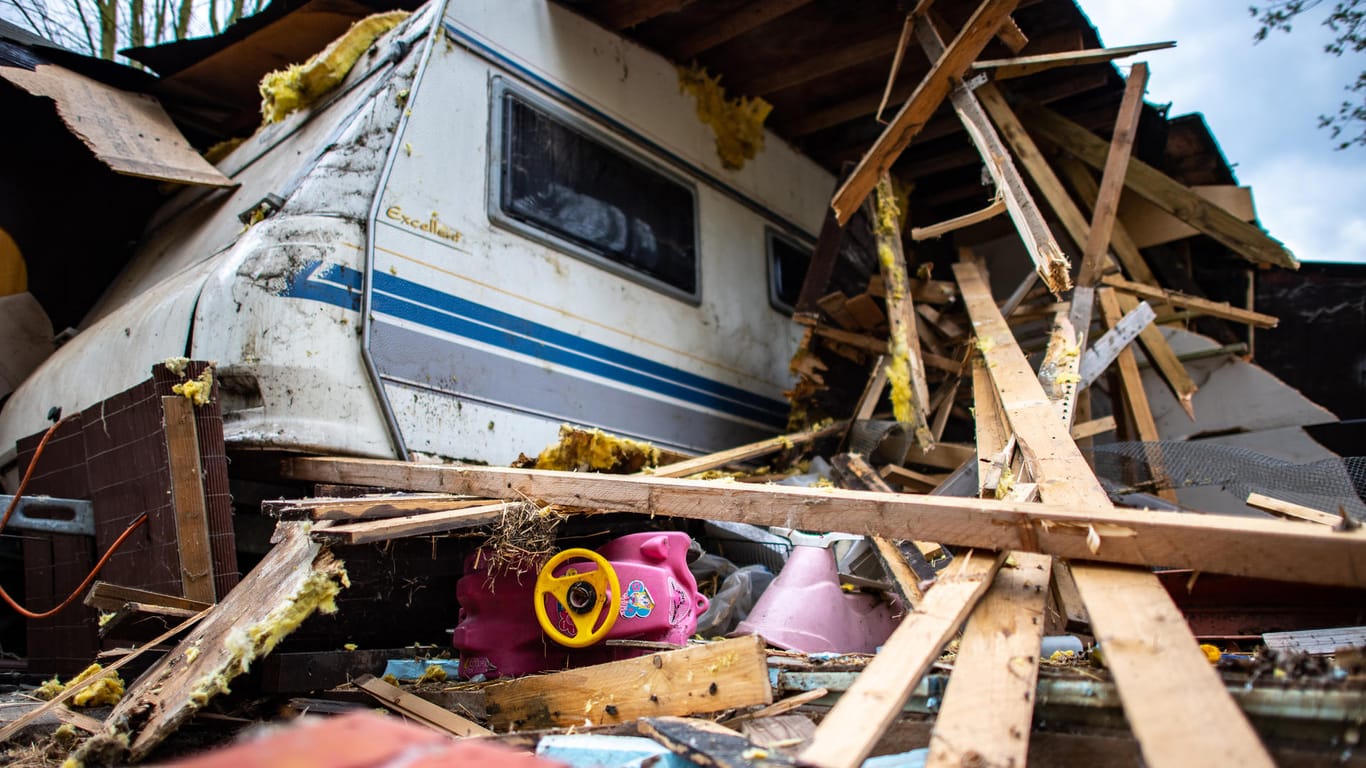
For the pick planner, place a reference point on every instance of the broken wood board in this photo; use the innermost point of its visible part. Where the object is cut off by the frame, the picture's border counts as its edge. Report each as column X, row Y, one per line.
column 1148, row 645
column 415, row 525
column 694, row 680
column 71, row 690
column 988, row 708
column 904, row 579
column 1094, row 427
column 705, row 743
column 296, row 578
column 1136, row 398
column 375, row 507
column 1220, row 309
column 855, row 724
column 417, row 708
column 745, row 452
column 1164, row 358
column 993, row 209
column 1020, row 66
column 1049, row 261
column 905, row 370
column 1275, row 549
column 111, row 597
column 129, row 132
column 1291, row 510
column 1239, row 236
column 1107, row 199
column 920, row 107
column 187, row 499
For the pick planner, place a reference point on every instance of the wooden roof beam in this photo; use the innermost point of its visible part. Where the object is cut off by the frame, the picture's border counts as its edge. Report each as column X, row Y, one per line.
column 617, row 15
column 1020, row 66
column 747, row 17
column 928, row 95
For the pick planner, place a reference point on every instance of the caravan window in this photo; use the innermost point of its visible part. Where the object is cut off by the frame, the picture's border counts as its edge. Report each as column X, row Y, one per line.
column 564, row 184
column 787, row 264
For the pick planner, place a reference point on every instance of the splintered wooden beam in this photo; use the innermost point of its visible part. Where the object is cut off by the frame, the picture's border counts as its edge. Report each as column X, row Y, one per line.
column 376, row 507
column 988, row 709
column 1164, row 358
column 1239, row 236
column 996, row 208
column 1149, row 647
column 413, row 525
column 417, row 708
column 1011, row 36
column 697, row 679
column 1084, row 184
column 1220, row 309
column 187, row 500
column 857, row 721
column 1049, row 260
column 1275, row 549
column 987, row 712
column 905, row 369
column 1135, row 396
column 111, row 597
column 1020, row 66
column 746, row 452
column 918, row 109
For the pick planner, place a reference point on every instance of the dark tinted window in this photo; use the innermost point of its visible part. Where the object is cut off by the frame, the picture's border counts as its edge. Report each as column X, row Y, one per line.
column 787, row 263
column 562, row 181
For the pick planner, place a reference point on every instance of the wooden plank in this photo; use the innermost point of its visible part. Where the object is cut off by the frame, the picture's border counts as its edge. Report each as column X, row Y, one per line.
column 1154, row 343
column 111, row 597
column 781, row 707
column 903, row 476
column 855, row 724
column 1048, row 258
column 1291, row 510
column 1220, row 309
column 917, row 110
column 1111, row 185
column 833, row 304
column 70, row 691
column 996, row 208
column 948, row 456
column 743, row 19
column 809, row 68
column 1011, row 36
column 745, row 452
column 1275, row 549
column 295, row 578
column 697, row 679
column 865, row 311
column 905, row 369
column 415, row 525
column 1068, row 598
column 1168, row 363
column 1149, row 647
column 1136, row 397
column 1093, row 427
column 1020, row 66
column 1239, row 236
column 988, row 708
column 373, row 507
column 419, row 709
column 822, row 264
column 187, row 499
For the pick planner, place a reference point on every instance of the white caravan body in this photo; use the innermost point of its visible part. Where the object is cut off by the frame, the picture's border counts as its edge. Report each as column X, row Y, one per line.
column 507, row 218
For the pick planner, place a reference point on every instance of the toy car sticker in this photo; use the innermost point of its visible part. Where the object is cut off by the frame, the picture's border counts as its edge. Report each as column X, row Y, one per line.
column 637, row 603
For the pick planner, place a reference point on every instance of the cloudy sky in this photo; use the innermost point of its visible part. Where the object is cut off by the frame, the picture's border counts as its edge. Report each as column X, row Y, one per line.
column 1261, row 102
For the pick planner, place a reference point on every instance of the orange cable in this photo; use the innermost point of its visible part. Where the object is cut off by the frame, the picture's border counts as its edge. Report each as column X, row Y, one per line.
column 14, row 504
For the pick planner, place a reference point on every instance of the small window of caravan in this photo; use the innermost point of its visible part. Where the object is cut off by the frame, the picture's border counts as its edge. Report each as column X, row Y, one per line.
column 560, row 181
column 787, row 264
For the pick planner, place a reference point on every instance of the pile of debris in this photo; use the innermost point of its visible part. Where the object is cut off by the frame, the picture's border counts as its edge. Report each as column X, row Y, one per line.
column 947, row 561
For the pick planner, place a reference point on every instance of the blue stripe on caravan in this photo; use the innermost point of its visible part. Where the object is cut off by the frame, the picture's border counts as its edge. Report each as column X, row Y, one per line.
column 405, row 299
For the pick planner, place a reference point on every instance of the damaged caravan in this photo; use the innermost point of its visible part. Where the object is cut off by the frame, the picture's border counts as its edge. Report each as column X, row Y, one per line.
column 498, row 222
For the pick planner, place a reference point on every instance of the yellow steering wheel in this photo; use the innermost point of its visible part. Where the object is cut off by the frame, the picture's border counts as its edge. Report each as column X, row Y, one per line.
column 586, row 598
